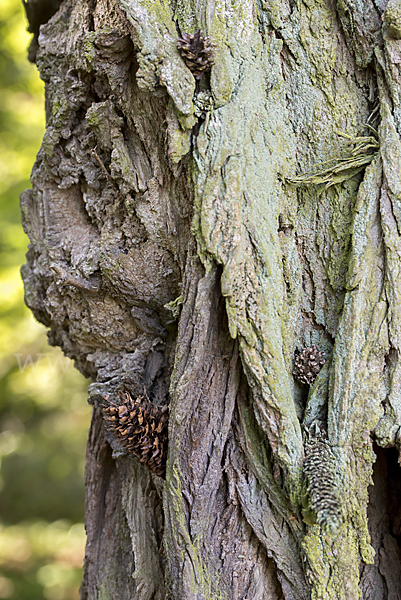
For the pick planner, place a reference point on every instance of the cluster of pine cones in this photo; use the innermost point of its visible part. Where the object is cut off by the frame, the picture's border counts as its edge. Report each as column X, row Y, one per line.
column 141, row 429
column 307, row 364
column 196, row 51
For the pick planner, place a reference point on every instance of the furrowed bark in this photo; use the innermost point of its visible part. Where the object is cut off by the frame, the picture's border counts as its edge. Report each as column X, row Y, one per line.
column 186, row 238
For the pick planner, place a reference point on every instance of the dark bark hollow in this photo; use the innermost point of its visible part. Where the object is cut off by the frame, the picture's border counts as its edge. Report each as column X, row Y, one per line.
column 189, row 237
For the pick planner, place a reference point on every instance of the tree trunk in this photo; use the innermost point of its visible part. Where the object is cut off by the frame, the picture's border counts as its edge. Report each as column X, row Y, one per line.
column 188, row 238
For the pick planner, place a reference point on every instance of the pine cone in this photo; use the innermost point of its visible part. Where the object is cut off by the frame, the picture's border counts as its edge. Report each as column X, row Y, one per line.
column 141, row 428
column 307, row 364
column 196, row 52
column 324, row 482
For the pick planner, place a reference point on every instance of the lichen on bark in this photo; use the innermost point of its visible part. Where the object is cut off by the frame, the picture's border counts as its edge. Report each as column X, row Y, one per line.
column 172, row 253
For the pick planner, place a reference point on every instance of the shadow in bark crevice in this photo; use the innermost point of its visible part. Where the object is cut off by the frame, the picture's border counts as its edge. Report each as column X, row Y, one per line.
column 387, row 476
column 382, row 580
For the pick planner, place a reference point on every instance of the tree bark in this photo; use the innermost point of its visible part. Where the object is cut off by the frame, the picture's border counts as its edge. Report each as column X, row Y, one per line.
column 187, row 238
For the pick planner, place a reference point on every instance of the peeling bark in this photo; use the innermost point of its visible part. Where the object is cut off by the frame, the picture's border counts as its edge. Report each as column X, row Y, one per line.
column 172, row 254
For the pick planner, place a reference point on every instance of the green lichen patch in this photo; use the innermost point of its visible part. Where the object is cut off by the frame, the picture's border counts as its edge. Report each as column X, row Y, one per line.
column 158, row 58
column 390, row 150
column 88, row 46
column 392, row 18
column 197, row 577
column 332, row 564
column 175, row 306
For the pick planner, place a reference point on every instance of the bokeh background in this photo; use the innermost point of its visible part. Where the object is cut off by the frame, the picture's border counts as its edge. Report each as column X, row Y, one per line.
column 44, row 416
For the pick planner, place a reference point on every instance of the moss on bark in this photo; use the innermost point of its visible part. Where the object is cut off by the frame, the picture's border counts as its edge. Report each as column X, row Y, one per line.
column 147, row 196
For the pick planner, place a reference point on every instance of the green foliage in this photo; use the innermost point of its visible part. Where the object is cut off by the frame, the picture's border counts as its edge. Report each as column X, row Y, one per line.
column 40, row 559
column 43, row 413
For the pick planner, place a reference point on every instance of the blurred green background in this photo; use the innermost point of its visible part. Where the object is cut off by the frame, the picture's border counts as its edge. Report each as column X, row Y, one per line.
column 44, row 416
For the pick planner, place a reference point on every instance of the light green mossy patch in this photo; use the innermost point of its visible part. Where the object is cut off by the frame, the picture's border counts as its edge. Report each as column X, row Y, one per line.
column 332, row 564
column 49, row 142
column 159, row 60
column 354, row 406
column 387, row 429
column 88, row 46
column 274, row 9
column 95, row 118
column 121, row 166
column 232, row 24
column 179, row 134
column 179, row 143
column 158, row 10
column 175, row 306
column 356, row 502
column 57, row 104
column 236, row 219
column 105, row 123
column 185, row 14
column 103, row 592
column 220, row 81
column 390, row 149
column 315, row 18
column 392, row 18
column 199, row 581
column 107, row 588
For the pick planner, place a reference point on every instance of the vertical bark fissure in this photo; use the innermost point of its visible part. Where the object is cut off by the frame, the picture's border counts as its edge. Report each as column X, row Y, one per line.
column 108, row 547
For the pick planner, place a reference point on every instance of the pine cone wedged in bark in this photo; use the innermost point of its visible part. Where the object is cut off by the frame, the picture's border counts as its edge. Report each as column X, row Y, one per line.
column 196, row 51
column 308, row 363
column 324, row 482
column 141, row 428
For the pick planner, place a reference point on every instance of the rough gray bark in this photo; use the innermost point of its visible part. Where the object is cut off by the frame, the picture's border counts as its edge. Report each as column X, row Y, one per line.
column 177, row 250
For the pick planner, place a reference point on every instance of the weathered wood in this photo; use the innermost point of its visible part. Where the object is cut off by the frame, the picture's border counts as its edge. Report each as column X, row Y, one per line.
column 177, row 250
